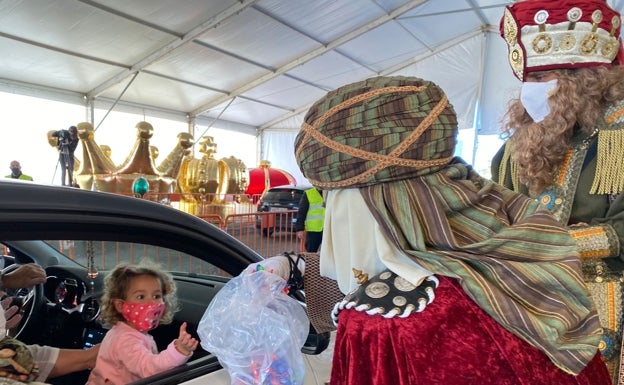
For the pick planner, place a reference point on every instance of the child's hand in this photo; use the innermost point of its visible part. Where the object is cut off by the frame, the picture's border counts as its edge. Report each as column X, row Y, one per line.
column 185, row 343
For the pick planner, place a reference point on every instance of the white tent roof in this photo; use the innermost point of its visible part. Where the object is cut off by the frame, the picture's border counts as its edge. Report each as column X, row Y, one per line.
column 251, row 65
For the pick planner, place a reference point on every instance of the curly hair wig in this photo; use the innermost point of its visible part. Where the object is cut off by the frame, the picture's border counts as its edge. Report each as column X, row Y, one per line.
column 576, row 106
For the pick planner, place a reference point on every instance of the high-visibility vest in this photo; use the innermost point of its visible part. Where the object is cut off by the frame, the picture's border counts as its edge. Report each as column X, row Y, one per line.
column 316, row 212
column 22, row 177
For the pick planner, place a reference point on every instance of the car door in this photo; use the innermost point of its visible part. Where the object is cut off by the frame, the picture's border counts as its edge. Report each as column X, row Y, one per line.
column 78, row 235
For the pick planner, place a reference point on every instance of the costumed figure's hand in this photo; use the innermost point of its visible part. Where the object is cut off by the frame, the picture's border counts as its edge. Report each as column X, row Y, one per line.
column 185, row 343
column 27, row 275
column 376, row 296
column 290, row 267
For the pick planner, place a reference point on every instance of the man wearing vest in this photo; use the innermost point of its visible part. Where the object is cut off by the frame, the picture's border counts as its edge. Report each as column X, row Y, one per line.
column 310, row 219
column 16, row 172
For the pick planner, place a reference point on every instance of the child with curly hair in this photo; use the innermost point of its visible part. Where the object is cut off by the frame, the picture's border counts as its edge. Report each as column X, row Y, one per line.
column 137, row 298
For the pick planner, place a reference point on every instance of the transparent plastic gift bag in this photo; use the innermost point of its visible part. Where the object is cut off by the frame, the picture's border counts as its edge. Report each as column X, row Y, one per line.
column 256, row 330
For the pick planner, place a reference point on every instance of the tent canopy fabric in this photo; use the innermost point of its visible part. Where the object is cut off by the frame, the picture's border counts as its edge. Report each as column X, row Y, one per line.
column 250, row 64
column 254, row 66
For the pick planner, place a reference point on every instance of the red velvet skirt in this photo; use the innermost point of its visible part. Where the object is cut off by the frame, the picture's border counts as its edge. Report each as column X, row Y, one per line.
column 453, row 342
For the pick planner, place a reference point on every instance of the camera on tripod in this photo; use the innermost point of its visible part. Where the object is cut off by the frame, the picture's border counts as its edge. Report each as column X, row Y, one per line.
column 63, row 137
column 66, row 142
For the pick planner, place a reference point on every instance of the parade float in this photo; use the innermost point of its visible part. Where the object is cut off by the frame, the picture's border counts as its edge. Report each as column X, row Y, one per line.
column 211, row 186
column 205, row 185
column 263, row 177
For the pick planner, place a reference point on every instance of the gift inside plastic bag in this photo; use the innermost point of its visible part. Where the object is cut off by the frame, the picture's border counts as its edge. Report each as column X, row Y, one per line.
column 256, row 330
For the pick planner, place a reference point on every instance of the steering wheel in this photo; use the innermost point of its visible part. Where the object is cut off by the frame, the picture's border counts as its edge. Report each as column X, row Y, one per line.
column 27, row 299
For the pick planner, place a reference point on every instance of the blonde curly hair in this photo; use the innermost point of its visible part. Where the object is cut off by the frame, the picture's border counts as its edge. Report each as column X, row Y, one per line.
column 118, row 281
column 577, row 105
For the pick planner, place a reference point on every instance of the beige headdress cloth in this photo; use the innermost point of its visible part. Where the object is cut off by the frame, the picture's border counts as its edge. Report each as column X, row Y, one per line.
column 375, row 131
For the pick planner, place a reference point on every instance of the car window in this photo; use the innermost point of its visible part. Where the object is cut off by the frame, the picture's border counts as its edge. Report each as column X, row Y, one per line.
column 283, row 196
column 106, row 254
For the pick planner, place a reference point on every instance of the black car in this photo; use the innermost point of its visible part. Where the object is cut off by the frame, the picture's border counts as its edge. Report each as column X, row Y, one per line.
column 284, row 202
column 78, row 235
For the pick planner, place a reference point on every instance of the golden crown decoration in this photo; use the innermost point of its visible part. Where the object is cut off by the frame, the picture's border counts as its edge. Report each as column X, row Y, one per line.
column 202, row 182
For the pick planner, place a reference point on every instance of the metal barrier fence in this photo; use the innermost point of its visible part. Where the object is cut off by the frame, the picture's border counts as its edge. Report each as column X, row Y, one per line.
column 107, row 254
column 195, row 203
column 269, row 233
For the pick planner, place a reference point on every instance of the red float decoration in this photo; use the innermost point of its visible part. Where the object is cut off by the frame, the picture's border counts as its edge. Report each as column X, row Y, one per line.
column 264, row 177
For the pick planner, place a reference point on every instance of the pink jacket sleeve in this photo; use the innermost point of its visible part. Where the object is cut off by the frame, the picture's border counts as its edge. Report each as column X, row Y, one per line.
column 127, row 355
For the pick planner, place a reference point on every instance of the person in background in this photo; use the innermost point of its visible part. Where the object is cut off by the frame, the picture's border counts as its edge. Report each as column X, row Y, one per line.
column 310, row 218
column 51, row 362
column 137, row 299
column 565, row 135
column 16, row 172
column 67, row 143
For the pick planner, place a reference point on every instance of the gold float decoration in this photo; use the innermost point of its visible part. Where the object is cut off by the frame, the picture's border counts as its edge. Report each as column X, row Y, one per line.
column 205, row 183
column 140, row 187
column 238, row 175
column 205, row 175
column 98, row 172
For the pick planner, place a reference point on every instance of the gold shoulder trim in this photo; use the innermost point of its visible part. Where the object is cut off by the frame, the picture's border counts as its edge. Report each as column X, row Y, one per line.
column 609, row 178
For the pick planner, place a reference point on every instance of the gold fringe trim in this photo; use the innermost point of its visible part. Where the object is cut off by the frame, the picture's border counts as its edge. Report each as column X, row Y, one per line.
column 515, row 175
column 609, row 178
column 513, row 167
column 502, row 166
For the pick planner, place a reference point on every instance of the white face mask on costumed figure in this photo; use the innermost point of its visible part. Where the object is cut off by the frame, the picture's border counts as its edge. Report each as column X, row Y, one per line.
column 534, row 97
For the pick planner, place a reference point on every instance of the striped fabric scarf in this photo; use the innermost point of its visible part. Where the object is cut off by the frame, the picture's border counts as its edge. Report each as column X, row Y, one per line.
column 511, row 257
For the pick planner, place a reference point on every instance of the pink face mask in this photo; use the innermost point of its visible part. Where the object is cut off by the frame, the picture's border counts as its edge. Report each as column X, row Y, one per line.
column 143, row 316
